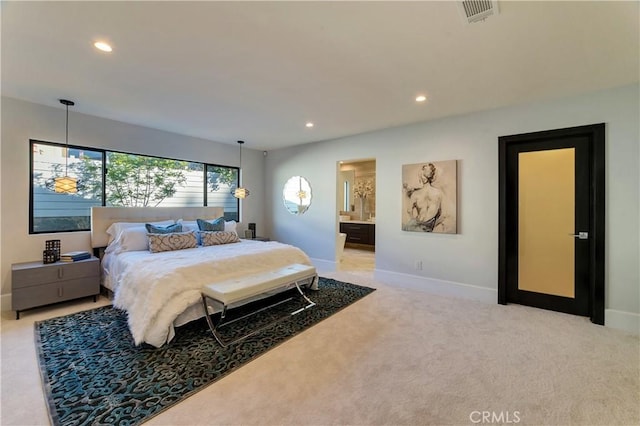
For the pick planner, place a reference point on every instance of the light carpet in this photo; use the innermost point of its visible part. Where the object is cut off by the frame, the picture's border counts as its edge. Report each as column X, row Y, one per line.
column 398, row 356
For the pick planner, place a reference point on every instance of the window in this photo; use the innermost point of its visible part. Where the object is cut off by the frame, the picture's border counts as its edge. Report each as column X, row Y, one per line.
column 143, row 181
column 53, row 212
column 130, row 180
column 221, row 182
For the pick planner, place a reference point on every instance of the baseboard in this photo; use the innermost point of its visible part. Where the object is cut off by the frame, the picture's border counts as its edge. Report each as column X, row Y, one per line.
column 621, row 320
column 440, row 287
column 626, row 321
column 5, row 302
column 323, row 265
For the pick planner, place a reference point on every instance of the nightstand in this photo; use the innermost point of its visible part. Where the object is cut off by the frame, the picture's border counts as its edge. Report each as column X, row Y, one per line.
column 261, row 239
column 35, row 284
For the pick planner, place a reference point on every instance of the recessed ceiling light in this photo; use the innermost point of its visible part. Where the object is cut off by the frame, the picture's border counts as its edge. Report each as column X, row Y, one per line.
column 101, row 45
column 421, row 98
column 309, row 124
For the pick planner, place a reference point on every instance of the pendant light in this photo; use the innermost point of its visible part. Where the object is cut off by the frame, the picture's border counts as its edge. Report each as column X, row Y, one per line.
column 240, row 192
column 66, row 184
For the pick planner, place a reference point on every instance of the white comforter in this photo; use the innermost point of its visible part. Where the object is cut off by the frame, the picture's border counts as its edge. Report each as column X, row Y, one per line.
column 154, row 288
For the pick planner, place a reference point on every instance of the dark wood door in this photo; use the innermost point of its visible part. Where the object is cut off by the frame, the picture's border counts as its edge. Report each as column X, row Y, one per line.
column 552, row 220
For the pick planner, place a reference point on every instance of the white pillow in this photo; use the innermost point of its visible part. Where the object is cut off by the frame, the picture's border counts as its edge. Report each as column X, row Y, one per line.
column 134, row 240
column 189, row 225
column 130, row 239
column 116, row 228
column 230, row 226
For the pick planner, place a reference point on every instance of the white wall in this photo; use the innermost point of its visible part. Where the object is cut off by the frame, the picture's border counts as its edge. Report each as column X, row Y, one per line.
column 466, row 264
column 22, row 121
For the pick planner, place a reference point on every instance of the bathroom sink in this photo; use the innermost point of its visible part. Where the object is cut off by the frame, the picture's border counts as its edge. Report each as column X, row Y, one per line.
column 344, row 217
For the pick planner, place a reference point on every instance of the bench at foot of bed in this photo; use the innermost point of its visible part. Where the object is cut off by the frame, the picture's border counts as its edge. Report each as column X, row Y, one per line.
column 243, row 288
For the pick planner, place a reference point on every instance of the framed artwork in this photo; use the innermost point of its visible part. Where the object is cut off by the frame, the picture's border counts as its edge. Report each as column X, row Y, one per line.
column 429, row 197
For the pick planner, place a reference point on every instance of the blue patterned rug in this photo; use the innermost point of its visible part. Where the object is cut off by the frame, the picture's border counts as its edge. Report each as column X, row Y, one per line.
column 93, row 374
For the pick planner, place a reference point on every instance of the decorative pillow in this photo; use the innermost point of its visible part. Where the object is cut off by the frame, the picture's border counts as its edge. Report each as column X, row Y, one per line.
column 214, row 225
column 215, row 238
column 155, row 229
column 172, row 241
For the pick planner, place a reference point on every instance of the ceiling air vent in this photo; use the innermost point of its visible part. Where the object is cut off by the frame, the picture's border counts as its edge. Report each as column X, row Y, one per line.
column 477, row 10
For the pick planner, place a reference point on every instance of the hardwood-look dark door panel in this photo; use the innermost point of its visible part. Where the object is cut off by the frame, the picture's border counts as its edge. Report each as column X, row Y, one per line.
column 552, row 233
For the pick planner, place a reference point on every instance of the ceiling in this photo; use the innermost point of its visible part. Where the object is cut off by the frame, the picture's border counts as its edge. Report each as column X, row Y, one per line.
column 258, row 71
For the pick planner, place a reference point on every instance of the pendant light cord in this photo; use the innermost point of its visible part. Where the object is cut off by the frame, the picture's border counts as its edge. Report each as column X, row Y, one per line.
column 66, row 140
column 66, row 103
column 240, row 168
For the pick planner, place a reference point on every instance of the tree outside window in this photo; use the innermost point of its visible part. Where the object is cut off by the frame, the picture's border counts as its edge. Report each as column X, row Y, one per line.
column 131, row 181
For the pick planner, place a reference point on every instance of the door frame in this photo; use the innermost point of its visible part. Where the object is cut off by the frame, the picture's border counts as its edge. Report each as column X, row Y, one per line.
column 595, row 134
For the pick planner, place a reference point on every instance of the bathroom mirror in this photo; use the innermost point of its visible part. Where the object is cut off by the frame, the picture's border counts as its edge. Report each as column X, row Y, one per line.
column 345, row 190
column 297, row 195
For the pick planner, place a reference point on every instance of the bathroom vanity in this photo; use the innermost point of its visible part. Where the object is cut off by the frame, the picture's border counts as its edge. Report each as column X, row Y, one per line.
column 359, row 231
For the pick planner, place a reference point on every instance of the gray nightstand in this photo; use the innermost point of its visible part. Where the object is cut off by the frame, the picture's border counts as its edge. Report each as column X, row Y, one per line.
column 36, row 284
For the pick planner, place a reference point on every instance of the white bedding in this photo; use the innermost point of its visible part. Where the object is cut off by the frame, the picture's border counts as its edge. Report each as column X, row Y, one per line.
column 155, row 288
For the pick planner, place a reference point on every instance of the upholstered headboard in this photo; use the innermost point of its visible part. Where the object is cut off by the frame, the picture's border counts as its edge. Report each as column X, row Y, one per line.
column 103, row 217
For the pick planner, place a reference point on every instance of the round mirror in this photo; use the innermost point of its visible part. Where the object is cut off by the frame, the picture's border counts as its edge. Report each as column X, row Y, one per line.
column 297, row 195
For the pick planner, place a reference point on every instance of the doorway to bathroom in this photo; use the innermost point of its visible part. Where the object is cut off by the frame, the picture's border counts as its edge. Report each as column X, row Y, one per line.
column 356, row 213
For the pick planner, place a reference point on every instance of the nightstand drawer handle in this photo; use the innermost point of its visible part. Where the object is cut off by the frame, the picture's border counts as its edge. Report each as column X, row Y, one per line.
column 60, row 273
column 59, row 291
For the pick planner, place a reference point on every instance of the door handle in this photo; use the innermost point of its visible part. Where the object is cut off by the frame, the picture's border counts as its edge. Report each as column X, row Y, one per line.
column 580, row 235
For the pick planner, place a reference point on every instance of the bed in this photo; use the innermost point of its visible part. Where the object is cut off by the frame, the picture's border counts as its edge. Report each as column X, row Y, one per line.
column 162, row 290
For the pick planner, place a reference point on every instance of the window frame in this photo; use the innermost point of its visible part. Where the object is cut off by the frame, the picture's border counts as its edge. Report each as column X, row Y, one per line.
column 104, row 153
column 33, row 142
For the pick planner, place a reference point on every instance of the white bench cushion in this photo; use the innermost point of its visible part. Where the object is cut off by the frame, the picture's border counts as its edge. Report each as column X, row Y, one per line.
column 237, row 289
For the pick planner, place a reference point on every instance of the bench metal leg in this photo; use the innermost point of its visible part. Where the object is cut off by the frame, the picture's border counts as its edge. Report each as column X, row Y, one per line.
column 215, row 327
column 212, row 326
column 310, row 302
